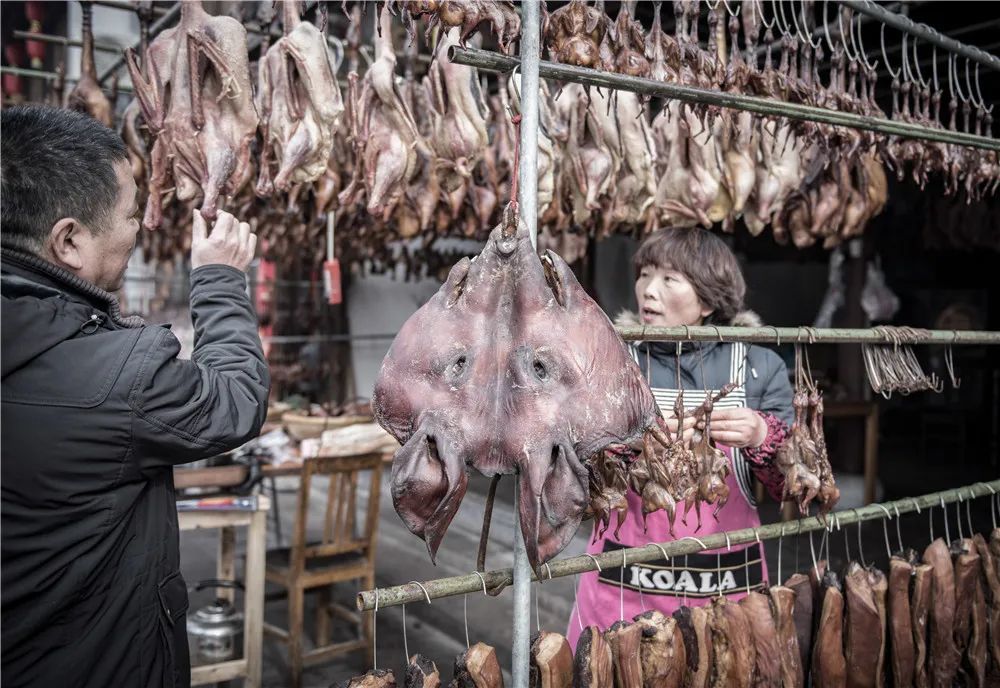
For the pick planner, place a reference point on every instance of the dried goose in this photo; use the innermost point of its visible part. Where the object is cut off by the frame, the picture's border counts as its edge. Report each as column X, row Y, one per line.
column 300, row 105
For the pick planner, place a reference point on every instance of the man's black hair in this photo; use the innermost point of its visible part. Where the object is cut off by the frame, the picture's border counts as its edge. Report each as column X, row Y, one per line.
column 55, row 163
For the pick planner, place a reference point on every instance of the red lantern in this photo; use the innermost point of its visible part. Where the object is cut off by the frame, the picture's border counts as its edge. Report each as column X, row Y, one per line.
column 35, row 12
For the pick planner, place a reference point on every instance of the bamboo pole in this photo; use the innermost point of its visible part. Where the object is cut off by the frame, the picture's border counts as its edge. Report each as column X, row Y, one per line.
column 463, row 585
column 805, row 335
column 494, row 62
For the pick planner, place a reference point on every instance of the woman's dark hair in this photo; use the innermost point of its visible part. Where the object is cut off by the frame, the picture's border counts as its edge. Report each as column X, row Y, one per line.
column 55, row 163
column 705, row 260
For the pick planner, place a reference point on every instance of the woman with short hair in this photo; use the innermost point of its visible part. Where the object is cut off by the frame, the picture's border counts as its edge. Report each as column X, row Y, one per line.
column 691, row 277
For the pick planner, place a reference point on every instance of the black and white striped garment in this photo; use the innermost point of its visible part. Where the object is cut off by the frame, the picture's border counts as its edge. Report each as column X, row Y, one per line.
column 739, row 370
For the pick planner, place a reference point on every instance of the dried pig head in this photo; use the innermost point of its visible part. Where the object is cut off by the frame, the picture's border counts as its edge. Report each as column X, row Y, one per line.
column 510, row 368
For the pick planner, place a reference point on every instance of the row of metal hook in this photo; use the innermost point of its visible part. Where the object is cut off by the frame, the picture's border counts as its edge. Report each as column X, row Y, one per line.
column 856, row 52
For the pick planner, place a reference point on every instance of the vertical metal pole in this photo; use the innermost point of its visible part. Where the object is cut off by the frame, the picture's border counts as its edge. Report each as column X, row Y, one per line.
column 527, row 175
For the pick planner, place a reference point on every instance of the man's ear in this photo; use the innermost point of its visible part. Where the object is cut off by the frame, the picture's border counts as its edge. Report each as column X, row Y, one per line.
column 65, row 243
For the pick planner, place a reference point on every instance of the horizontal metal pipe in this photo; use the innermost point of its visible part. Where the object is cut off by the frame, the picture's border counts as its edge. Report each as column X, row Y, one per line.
column 495, row 62
column 62, row 40
column 804, row 335
column 52, row 76
column 494, row 580
column 127, row 6
column 923, row 32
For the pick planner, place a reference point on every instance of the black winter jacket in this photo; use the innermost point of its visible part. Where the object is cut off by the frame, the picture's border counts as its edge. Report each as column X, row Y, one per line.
column 96, row 411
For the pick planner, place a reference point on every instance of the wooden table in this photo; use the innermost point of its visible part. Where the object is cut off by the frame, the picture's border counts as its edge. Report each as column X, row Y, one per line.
column 249, row 667
column 234, row 474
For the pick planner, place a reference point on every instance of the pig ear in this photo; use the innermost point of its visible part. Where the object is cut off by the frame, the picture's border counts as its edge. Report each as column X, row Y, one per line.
column 553, row 498
column 455, row 284
column 559, row 277
column 428, row 483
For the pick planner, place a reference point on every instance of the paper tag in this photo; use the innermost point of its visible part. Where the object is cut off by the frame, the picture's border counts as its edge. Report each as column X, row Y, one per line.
column 331, row 281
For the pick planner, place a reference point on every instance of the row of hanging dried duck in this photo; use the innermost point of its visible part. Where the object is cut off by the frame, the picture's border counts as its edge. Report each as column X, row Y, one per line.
column 401, row 158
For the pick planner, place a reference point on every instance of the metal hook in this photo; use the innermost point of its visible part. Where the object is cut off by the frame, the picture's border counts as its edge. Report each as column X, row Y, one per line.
column 375, row 633
column 958, row 87
column 729, row 547
column 885, row 529
column 979, row 93
column 659, row 547
column 783, row 23
column 781, row 537
column 406, row 645
column 576, row 605
column 731, row 12
column 968, row 514
column 760, row 6
column 847, row 542
column 339, row 50
column 692, row 537
column 861, row 551
column 968, row 86
column 899, row 534
column 872, row 66
column 916, row 505
column 596, row 563
column 826, row 27
column 949, row 363
column 798, row 30
column 947, row 528
column 746, row 567
column 549, row 570
column 916, row 65
column 812, row 552
column 907, row 75
column 937, row 86
column 423, row 589
column 840, row 25
column 993, row 499
column 894, row 75
column 465, row 618
column 621, row 590
column 958, row 516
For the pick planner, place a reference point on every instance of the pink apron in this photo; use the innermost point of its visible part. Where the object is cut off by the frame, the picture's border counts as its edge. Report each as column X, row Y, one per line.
column 607, row 596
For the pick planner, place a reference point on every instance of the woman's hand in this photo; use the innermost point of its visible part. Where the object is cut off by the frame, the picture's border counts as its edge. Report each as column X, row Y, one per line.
column 688, row 430
column 738, row 427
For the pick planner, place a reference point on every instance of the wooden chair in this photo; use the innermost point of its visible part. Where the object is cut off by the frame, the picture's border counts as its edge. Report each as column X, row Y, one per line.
column 345, row 553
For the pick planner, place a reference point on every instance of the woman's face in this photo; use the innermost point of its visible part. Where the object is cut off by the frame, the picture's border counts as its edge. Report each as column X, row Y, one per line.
column 667, row 299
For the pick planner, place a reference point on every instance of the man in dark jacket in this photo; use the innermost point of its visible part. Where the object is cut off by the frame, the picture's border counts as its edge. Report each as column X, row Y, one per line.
column 98, row 409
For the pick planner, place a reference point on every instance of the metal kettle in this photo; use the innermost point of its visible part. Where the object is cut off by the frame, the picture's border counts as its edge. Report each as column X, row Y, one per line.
column 216, row 630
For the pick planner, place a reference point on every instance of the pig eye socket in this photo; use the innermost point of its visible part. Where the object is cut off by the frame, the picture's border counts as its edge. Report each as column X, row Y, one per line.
column 458, row 366
column 540, row 371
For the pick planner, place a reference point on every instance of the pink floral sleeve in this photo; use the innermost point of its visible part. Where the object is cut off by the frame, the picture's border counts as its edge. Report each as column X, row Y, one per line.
column 761, row 458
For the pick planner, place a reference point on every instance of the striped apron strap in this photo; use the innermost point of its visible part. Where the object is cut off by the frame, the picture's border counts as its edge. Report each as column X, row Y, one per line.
column 739, row 372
